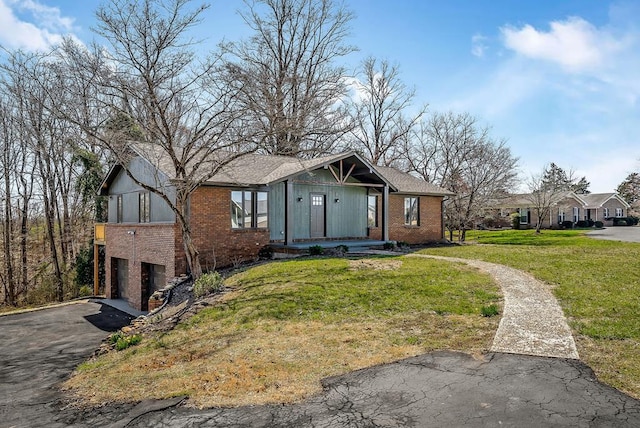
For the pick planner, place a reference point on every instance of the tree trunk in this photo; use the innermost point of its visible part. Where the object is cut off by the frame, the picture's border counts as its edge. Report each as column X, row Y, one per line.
column 10, row 285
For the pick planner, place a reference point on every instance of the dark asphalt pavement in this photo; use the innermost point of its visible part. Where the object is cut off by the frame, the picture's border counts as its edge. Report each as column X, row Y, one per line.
column 433, row 390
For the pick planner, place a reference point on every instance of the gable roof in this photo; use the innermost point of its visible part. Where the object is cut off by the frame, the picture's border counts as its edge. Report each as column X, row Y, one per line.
column 597, row 200
column 258, row 170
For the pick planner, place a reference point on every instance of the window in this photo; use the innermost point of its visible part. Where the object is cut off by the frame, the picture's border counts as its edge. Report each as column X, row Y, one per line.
column 561, row 216
column 411, row 211
column 249, row 209
column 606, row 212
column 119, row 209
column 618, row 212
column 576, row 214
column 372, row 211
column 143, row 207
column 524, row 215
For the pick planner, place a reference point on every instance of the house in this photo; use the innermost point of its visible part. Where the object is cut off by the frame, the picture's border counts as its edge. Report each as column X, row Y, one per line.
column 568, row 206
column 253, row 202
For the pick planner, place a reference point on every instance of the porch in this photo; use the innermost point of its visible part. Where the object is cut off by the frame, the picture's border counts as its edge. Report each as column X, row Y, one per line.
column 354, row 245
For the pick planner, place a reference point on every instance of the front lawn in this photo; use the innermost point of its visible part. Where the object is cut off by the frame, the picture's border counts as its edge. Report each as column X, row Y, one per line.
column 597, row 283
column 286, row 325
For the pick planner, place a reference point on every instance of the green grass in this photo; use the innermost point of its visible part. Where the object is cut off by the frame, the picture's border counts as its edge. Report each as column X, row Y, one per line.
column 286, row 325
column 597, row 283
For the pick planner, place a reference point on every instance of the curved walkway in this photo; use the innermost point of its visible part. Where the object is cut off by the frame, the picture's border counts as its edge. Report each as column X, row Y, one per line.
column 532, row 321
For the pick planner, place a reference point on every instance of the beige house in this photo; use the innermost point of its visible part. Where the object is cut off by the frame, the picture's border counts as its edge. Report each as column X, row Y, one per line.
column 570, row 206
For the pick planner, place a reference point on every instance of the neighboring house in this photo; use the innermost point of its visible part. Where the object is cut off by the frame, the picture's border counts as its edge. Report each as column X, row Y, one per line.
column 569, row 206
column 255, row 201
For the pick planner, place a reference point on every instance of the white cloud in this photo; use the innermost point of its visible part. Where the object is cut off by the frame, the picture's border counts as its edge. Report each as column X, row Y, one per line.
column 574, row 44
column 45, row 27
column 478, row 45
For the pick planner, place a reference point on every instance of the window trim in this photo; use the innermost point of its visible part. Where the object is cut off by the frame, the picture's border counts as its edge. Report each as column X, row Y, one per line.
column 375, row 211
column 119, row 209
column 144, row 207
column 605, row 213
column 408, row 217
column 619, row 212
column 250, row 212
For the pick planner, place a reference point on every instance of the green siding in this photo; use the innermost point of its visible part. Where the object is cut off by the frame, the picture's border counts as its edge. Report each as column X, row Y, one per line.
column 276, row 211
column 348, row 218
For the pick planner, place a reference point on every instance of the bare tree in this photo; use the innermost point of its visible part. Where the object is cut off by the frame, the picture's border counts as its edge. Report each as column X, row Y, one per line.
column 547, row 189
column 379, row 113
column 456, row 153
column 286, row 74
column 179, row 107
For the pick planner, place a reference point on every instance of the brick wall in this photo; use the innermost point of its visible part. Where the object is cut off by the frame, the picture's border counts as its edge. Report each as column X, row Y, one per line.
column 149, row 243
column 219, row 245
column 430, row 228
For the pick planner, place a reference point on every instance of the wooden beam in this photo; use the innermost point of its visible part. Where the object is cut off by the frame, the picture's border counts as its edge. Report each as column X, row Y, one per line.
column 96, row 268
column 349, row 172
column 334, row 173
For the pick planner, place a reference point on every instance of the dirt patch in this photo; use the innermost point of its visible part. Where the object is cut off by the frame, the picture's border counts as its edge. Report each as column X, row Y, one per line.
column 374, row 264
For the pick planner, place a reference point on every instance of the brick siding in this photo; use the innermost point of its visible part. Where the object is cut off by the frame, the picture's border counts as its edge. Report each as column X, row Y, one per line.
column 430, row 225
column 430, row 220
column 149, row 243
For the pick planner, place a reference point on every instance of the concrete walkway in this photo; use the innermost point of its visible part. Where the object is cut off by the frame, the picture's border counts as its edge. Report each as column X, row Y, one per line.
column 532, row 321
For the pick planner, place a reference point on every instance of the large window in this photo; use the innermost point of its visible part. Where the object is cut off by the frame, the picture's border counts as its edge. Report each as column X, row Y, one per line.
column 372, row 211
column 249, row 209
column 119, row 209
column 524, row 215
column 606, row 212
column 618, row 212
column 143, row 207
column 411, row 211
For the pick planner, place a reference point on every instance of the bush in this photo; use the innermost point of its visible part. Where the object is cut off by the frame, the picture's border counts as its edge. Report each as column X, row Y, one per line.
column 265, row 253
column 515, row 220
column 632, row 221
column 121, row 341
column 599, row 224
column 567, row 224
column 489, row 311
column 620, row 222
column 207, row 284
column 389, row 245
column 85, row 290
column 582, row 223
column 316, row 250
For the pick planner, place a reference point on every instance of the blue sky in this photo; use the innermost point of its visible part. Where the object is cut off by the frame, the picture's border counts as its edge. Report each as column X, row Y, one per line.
column 560, row 80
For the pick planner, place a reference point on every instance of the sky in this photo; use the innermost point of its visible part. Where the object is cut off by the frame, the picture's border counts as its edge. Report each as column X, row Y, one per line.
column 558, row 79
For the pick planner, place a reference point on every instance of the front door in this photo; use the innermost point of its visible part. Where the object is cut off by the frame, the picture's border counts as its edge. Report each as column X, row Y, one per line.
column 317, row 215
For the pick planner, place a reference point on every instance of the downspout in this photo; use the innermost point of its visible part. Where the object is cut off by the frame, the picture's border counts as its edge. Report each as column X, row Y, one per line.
column 288, row 213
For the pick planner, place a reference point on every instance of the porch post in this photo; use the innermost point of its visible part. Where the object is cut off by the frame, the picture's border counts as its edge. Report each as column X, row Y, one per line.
column 96, row 269
column 385, row 213
column 288, row 213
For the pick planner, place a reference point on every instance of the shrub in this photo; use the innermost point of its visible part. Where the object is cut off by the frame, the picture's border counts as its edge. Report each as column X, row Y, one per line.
column 316, row 250
column 389, row 245
column 582, row 223
column 567, row 224
column 590, row 223
column 620, row 222
column 265, row 253
column 121, row 341
column 489, row 311
column 515, row 220
column 207, row 284
column 599, row 224
column 85, row 290
column 632, row 220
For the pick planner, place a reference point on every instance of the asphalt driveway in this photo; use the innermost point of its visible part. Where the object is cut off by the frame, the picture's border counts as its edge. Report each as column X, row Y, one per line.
column 619, row 233
column 41, row 348
column 38, row 351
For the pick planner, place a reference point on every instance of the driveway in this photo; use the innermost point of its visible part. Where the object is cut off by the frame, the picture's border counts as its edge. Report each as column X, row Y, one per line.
column 619, row 233
column 40, row 349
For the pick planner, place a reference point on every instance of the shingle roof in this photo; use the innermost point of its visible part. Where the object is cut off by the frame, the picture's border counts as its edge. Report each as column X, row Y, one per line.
column 597, row 200
column 256, row 169
column 407, row 183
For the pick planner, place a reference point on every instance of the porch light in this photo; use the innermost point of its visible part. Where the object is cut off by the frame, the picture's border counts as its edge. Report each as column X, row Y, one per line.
column 337, row 200
column 299, row 199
